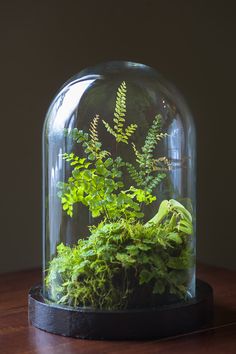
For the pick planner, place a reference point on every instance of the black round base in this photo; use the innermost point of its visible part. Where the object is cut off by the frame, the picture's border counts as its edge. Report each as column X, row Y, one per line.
column 160, row 322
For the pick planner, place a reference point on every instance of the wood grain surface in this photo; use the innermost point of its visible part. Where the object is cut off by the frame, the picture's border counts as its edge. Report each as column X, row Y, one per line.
column 17, row 336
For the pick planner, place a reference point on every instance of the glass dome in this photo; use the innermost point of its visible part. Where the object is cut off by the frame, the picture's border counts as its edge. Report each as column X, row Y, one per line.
column 118, row 191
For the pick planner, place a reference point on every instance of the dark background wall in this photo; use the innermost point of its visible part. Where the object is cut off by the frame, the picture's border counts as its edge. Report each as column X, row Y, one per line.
column 43, row 43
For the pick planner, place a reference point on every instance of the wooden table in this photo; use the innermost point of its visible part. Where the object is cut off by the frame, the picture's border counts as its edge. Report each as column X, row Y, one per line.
column 17, row 336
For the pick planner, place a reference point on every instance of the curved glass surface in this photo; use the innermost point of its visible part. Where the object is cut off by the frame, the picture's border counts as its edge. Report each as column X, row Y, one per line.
column 118, row 191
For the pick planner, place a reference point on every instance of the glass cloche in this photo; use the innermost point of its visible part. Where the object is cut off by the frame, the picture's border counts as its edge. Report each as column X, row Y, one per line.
column 118, row 191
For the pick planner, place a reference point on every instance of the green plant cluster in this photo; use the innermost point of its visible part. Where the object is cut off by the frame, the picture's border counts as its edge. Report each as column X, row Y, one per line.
column 146, row 175
column 124, row 261
column 108, row 269
column 121, row 134
column 96, row 179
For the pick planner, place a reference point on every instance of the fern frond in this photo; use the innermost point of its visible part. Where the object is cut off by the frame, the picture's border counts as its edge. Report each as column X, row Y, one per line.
column 154, row 135
column 161, row 164
column 109, row 129
column 135, row 149
column 144, row 158
column 137, row 153
column 93, row 129
column 155, row 181
column 132, row 170
column 120, row 108
column 90, row 142
column 118, row 131
column 94, row 144
column 130, row 129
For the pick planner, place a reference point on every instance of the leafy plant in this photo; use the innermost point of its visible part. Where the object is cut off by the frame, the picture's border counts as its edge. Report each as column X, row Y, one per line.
column 121, row 134
column 124, row 262
column 145, row 176
column 108, row 269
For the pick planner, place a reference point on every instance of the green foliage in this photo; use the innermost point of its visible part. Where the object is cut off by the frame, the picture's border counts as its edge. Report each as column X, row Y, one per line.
column 153, row 136
column 120, row 133
column 90, row 142
column 96, row 180
column 98, row 185
column 146, row 175
column 120, row 260
column 123, row 263
column 95, row 146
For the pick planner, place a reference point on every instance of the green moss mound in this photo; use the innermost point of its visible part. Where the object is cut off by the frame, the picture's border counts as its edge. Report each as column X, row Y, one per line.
column 126, row 265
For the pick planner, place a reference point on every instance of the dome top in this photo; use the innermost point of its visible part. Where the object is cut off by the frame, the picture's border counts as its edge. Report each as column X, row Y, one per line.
column 93, row 87
column 118, row 70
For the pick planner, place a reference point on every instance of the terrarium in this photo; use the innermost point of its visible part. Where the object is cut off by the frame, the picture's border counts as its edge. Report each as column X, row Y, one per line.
column 119, row 207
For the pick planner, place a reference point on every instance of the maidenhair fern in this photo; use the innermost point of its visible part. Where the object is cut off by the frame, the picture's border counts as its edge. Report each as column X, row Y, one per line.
column 95, row 144
column 94, row 134
column 143, row 176
column 121, row 133
column 97, row 179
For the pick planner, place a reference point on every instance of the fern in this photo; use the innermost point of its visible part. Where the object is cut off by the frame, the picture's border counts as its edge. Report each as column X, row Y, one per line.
column 93, row 129
column 161, row 164
column 90, row 142
column 153, row 183
column 147, row 164
column 134, row 174
column 118, row 131
column 154, row 135
column 95, row 145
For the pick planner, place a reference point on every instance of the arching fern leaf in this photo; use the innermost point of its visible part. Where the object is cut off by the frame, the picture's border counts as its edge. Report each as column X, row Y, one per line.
column 118, row 131
column 95, row 145
column 147, row 164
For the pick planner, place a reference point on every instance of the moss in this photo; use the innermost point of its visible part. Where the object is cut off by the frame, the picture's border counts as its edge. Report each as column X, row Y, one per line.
column 124, row 264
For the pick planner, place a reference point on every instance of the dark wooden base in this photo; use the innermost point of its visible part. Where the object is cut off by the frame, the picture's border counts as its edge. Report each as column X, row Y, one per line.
column 164, row 321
